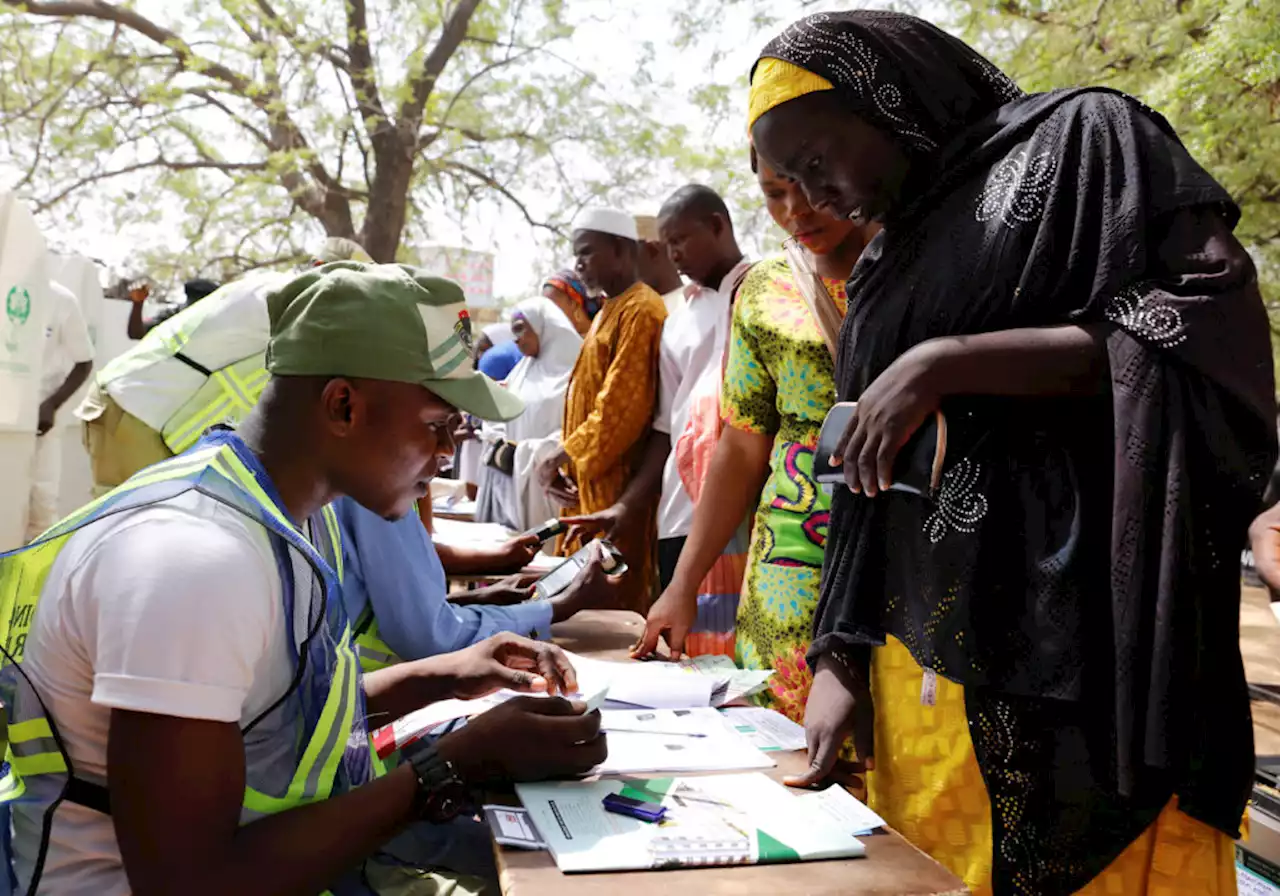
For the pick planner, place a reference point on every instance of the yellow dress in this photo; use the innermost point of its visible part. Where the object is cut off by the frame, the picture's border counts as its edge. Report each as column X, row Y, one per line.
column 927, row 786
column 608, row 410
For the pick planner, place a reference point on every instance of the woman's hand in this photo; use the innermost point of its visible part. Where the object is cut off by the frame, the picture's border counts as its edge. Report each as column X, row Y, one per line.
column 888, row 414
column 671, row 616
column 838, row 706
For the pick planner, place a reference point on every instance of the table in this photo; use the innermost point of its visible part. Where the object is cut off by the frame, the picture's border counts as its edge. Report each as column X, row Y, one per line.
column 893, row 867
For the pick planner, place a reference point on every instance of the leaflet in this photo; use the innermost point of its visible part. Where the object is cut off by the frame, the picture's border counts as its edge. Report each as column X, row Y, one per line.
column 717, row 820
column 675, row 740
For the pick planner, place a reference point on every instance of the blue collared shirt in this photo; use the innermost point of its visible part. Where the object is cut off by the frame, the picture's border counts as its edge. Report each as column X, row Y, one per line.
column 393, row 566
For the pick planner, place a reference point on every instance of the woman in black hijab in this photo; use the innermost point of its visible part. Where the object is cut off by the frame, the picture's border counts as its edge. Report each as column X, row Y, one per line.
column 1057, row 276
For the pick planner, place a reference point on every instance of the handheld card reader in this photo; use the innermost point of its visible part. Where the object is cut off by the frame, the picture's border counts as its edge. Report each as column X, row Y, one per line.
column 625, row 805
column 560, row 578
column 547, row 531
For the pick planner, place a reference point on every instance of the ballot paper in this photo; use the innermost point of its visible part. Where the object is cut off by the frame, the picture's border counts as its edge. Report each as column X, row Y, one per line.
column 741, row 819
column 845, row 810
column 731, row 683
column 652, row 685
column 416, row 725
column 766, row 729
column 675, row 740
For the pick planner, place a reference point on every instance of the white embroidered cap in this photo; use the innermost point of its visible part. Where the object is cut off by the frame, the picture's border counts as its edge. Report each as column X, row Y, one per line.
column 607, row 220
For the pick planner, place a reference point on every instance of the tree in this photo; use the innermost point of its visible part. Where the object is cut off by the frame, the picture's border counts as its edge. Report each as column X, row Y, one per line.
column 251, row 125
column 1212, row 67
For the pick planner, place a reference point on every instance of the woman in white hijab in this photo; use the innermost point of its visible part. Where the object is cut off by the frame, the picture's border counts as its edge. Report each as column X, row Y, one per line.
column 509, row 493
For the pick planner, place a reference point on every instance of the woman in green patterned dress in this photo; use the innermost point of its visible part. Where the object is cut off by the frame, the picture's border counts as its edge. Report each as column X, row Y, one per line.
column 778, row 387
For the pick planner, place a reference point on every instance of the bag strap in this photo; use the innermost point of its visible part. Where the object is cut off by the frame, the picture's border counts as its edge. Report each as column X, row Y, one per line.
column 814, row 291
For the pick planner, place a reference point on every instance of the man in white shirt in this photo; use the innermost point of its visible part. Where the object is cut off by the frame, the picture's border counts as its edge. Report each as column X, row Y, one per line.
column 695, row 227
column 68, row 358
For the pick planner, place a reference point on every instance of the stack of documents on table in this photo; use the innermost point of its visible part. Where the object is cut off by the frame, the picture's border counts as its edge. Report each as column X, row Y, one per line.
column 675, row 740
column 731, row 683
column 718, row 820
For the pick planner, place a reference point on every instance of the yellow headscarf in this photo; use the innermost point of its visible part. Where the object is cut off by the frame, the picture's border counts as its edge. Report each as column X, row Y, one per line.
column 775, row 82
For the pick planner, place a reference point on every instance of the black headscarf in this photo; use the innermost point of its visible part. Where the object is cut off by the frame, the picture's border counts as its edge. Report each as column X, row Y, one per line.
column 1078, row 572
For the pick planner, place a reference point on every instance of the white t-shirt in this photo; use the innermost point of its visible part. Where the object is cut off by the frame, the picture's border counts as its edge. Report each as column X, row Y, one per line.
column 693, row 343
column 66, row 339
column 173, row 609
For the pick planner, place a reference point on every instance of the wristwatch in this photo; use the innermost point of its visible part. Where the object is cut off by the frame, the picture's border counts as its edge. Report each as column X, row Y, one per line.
column 442, row 796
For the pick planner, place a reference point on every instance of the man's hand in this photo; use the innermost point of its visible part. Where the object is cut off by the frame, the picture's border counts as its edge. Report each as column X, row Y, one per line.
column 672, row 616
column 515, row 554
column 1264, row 539
column 44, row 422
column 527, row 739
column 509, row 592
column 510, row 661
column 838, row 706
column 591, row 589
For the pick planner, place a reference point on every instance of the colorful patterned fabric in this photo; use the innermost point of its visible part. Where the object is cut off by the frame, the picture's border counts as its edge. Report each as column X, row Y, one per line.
column 926, row 784
column 713, row 631
column 571, row 285
column 607, row 413
column 779, row 381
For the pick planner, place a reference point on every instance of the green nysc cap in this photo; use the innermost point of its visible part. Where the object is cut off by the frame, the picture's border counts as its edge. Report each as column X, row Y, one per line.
column 382, row 322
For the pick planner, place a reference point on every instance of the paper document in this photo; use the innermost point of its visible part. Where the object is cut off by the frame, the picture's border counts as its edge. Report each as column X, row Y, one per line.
column 462, row 533
column 766, row 729
column 674, row 740
column 845, row 810
column 654, row 685
column 716, row 820
column 731, row 683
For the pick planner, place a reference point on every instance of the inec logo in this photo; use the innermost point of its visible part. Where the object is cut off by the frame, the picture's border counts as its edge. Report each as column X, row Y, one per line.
column 17, row 308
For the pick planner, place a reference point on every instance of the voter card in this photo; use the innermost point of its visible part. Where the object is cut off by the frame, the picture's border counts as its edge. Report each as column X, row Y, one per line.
column 512, row 826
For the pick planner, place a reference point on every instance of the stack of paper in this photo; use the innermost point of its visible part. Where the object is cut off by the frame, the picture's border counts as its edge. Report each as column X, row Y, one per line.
column 716, row 820
column 675, row 740
column 731, row 683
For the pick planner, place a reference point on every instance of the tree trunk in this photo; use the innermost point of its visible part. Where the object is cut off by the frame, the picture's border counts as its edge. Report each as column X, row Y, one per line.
column 388, row 200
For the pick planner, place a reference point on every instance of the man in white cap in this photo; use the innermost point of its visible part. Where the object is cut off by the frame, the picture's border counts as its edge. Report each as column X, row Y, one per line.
column 609, row 407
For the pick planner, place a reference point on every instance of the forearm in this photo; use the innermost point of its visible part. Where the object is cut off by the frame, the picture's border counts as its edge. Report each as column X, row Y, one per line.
column 398, row 690
column 75, row 379
column 1062, row 360
column 737, row 476
column 303, row 850
column 647, row 481
column 460, row 561
column 137, row 327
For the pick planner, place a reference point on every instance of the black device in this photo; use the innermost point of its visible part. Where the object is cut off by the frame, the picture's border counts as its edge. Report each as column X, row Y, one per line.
column 547, row 531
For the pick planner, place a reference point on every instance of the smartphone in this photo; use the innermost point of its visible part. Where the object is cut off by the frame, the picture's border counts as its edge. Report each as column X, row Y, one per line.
column 560, row 578
column 641, row 809
column 838, row 419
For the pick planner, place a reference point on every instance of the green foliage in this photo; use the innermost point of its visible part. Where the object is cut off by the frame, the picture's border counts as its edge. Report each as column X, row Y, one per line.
column 1212, row 67
column 252, row 127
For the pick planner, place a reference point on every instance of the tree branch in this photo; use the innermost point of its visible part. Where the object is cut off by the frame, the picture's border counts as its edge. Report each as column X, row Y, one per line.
column 422, row 84
column 364, row 79
column 489, row 181
column 159, row 162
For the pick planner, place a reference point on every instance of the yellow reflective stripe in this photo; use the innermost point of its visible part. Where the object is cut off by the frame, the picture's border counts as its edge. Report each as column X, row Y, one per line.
column 230, row 465
column 188, row 432
column 11, row 787
column 335, row 536
column 336, row 718
column 39, row 764
column 31, row 729
column 346, row 672
column 231, row 384
column 374, row 653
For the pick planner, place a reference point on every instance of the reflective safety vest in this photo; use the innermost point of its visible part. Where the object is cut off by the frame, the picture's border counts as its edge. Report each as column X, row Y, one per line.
column 326, row 699
column 227, row 396
column 203, row 366
column 373, row 651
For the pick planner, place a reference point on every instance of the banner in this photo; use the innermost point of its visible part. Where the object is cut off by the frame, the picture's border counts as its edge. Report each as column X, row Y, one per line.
column 24, row 285
column 473, row 271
